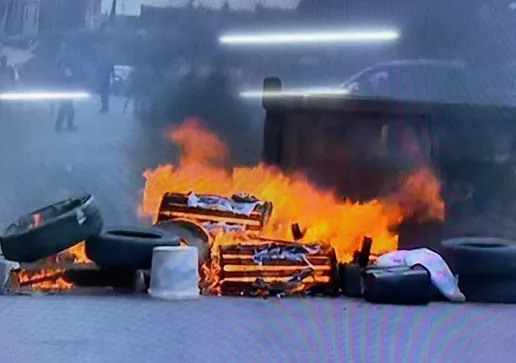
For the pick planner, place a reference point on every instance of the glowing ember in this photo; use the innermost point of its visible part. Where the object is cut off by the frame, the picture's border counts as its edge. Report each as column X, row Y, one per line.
column 51, row 279
column 341, row 224
column 43, row 280
column 75, row 254
column 78, row 252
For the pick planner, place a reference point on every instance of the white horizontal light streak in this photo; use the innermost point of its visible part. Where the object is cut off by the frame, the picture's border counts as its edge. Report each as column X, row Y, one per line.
column 42, row 96
column 312, row 37
column 293, row 93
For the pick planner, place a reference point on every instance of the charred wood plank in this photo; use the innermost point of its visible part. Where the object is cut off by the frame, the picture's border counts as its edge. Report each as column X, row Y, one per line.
column 74, row 279
column 232, row 259
column 306, row 268
column 270, row 274
column 175, row 206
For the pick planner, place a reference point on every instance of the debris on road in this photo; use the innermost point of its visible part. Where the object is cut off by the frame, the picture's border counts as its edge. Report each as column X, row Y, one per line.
column 128, row 247
column 398, row 285
column 213, row 211
column 233, row 256
column 440, row 274
column 262, row 267
column 174, row 274
column 52, row 229
column 485, row 265
column 351, row 274
column 65, row 273
column 190, row 234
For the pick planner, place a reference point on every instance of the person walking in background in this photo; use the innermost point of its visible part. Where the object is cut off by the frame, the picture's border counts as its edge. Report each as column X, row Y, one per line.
column 105, row 74
column 65, row 108
column 8, row 81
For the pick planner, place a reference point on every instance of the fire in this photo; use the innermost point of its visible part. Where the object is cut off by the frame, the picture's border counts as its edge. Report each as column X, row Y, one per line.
column 326, row 219
column 78, row 253
column 43, row 280
column 52, row 279
column 75, row 254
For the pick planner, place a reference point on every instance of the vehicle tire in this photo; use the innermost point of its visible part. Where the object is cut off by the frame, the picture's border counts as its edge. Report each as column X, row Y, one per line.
column 58, row 227
column 129, row 248
column 191, row 233
column 480, row 256
column 489, row 290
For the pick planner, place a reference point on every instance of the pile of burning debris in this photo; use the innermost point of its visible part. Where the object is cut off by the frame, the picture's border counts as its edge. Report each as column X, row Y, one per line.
column 62, row 248
column 240, row 262
column 45, row 252
column 68, row 272
column 284, row 236
column 304, row 230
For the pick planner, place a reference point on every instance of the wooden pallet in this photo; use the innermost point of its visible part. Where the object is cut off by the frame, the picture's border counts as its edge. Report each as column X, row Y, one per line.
column 175, row 206
column 72, row 278
column 241, row 275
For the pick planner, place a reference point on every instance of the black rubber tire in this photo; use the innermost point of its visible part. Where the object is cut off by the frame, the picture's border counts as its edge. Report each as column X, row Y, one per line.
column 489, row 290
column 63, row 225
column 480, row 256
column 129, row 248
column 192, row 234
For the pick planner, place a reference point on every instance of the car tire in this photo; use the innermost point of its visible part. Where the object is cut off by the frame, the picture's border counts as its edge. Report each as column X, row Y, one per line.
column 50, row 230
column 480, row 256
column 128, row 248
column 489, row 290
column 191, row 233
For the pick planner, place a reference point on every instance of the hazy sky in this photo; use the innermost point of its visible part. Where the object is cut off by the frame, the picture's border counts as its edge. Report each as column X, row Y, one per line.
column 132, row 7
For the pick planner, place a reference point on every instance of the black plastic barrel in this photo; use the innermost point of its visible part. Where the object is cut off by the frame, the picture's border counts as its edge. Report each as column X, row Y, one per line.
column 400, row 286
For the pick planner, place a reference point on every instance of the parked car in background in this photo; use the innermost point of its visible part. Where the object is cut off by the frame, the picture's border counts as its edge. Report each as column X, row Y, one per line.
column 433, row 80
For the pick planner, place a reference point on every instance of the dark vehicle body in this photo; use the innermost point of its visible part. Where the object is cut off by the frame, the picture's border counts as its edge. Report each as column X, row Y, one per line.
column 434, row 80
column 341, row 142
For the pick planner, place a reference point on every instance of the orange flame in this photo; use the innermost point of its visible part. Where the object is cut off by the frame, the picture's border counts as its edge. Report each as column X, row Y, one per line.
column 43, row 280
column 52, row 279
column 341, row 224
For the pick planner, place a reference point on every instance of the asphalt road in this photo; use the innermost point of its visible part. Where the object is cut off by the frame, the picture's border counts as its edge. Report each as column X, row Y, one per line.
column 84, row 329
column 106, row 157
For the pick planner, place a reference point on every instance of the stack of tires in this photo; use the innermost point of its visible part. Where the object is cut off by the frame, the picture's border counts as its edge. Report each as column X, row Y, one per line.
column 486, row 267
column 57, row 227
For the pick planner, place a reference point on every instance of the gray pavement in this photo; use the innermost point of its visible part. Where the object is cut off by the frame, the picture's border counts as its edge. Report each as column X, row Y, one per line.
column 106, row 156
column 81, row 329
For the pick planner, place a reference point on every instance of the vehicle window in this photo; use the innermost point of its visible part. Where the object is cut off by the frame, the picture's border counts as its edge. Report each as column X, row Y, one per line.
column 408, row 83
column 379, row 82
column 363, row 84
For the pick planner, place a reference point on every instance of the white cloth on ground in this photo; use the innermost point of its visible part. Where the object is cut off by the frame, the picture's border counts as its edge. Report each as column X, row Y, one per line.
column 440, row 274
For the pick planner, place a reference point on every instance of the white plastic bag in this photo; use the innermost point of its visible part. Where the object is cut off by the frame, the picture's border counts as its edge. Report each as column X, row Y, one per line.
column 440, row 274
column 392, row 259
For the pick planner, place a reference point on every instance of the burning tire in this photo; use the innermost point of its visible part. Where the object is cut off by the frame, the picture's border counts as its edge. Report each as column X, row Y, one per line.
column 191, row 233
column 480, row 256
column 127, row 247
column 52, row 229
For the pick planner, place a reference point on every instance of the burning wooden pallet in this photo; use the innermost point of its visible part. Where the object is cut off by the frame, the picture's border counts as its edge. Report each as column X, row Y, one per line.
column 212, row 211
column 262, row 267
column 70, row 277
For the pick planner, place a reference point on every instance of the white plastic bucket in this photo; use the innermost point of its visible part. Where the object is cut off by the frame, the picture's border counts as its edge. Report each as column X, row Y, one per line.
column 174, row 273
